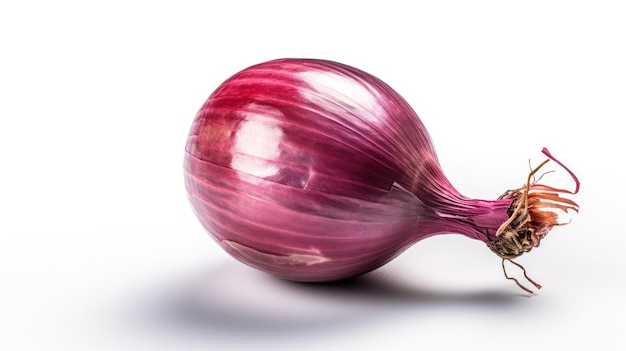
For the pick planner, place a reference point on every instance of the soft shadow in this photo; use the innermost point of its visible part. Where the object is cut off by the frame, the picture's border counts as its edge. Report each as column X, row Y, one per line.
column 236, row 300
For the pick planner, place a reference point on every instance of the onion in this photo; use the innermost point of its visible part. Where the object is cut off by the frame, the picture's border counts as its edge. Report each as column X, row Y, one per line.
column 313, row 170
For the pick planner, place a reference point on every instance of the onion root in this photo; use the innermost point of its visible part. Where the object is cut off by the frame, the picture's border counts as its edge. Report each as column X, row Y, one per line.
column 532, row 214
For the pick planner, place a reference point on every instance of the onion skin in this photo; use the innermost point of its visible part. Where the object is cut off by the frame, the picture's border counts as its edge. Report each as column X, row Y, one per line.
column 312, row 170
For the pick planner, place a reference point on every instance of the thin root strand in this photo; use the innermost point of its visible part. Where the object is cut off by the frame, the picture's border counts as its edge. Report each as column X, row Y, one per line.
column 538, row 286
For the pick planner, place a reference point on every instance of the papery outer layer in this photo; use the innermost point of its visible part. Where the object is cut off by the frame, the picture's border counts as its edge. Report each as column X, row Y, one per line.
column 312, row 170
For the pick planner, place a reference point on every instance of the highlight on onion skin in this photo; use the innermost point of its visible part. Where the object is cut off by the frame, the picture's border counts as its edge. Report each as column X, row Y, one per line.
column 312, row 170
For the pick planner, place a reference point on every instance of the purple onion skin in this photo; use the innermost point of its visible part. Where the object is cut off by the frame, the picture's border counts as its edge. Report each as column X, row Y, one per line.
column 312, row 170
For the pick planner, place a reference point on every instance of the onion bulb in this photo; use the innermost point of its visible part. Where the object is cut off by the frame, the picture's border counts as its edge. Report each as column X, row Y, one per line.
column 312, row 170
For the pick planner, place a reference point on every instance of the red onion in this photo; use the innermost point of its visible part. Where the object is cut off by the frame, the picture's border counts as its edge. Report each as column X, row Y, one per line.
column 312, row 170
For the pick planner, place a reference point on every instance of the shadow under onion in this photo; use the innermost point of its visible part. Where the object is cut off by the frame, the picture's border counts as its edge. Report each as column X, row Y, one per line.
column 233, row 299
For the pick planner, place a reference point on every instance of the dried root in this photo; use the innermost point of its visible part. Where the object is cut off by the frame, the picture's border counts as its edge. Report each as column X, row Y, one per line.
column 533, row 213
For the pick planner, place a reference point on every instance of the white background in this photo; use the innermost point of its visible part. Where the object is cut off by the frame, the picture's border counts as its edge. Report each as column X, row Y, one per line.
column 99, row 248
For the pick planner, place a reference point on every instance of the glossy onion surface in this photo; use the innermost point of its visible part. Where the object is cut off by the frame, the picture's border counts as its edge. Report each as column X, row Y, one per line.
column 313, row 170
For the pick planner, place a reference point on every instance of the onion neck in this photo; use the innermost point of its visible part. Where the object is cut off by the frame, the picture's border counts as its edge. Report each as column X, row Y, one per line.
column 451, row 212
column 513, row 224
column 448, row 211
column 474, row 218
